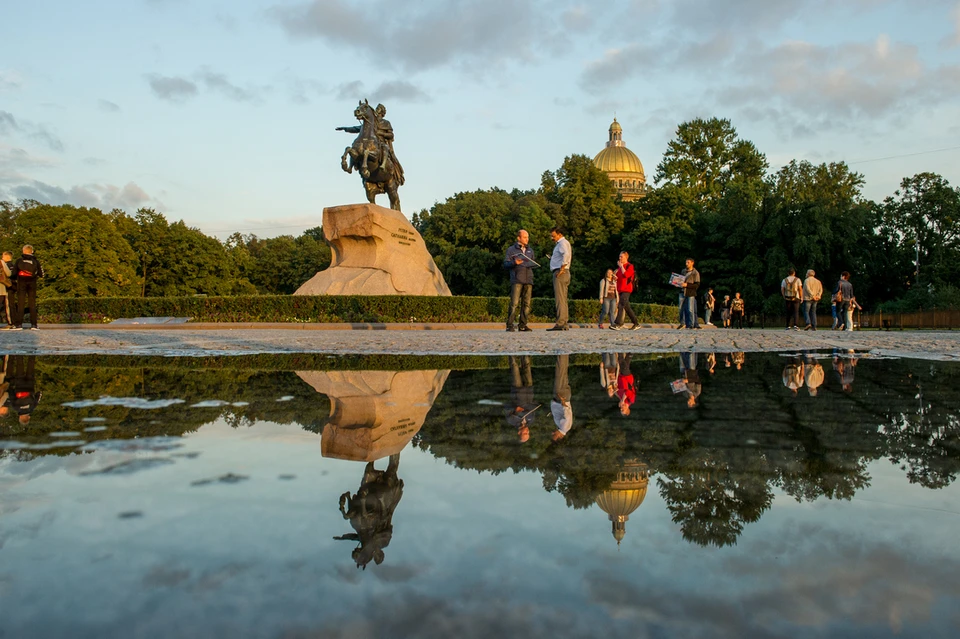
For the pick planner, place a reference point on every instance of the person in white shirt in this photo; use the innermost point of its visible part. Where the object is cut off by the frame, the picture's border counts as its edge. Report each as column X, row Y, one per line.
column 812, row 292
column 560, row 266
column 560, row 406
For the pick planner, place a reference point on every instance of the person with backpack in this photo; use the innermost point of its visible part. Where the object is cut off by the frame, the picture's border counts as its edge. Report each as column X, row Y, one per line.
column 625, row 274
column 26, row 271
column 791, row 288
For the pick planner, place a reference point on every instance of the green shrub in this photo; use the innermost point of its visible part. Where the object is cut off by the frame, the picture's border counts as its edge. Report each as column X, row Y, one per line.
column 323, row 308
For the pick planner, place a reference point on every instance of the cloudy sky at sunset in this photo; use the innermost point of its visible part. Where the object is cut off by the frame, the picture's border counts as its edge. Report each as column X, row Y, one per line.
column 223, row 113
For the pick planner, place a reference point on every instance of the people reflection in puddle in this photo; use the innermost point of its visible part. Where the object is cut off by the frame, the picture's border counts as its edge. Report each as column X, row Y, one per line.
column 609, row 372
column 626, row 388
column 519, row 411
column 691, row 378
column 560, row 404
column 19, row 387
column 370, row 511
column 739, row 359
column 812, row 374
column 711, row 362
column 845, row 363
column 793, row 375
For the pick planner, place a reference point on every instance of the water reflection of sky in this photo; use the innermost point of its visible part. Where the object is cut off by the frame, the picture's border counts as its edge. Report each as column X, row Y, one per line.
column 230, row 530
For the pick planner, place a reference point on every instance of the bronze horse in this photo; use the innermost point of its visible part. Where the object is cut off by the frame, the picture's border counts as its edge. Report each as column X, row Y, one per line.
column 370, row 511
column 371, row 154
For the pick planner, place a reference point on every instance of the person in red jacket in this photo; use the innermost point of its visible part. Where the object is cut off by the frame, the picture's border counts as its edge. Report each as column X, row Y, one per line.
column 626, row 389
column 625, row 275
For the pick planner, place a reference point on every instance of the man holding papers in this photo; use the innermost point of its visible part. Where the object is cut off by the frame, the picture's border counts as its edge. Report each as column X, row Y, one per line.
column 519, row 261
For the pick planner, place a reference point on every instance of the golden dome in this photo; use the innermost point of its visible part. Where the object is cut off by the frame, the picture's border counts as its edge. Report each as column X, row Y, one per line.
column 619, row 159
column 624, row 496
column 621, row 165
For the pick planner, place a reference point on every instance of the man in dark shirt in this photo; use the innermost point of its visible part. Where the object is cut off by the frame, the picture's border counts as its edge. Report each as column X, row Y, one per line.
column 22, row 396
column 691, row 282
column 27, row 270
column 519, row 261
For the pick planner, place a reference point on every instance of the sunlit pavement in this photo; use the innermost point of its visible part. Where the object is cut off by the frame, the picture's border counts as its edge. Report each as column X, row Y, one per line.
column 444, row 339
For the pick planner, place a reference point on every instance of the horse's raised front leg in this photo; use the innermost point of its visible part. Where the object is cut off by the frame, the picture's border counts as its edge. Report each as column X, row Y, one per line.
column 343, row 161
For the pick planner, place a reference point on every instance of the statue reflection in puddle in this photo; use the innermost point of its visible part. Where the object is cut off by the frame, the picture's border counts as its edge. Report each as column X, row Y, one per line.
column 845, row 364
column 370, row 511
column 689, row 382
column 373, row 414
column 519, row 410
column 18, row 387
column 560, row 404
column 626, row 387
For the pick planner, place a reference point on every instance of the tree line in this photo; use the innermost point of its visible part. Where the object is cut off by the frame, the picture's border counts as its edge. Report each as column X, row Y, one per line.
column 88, row 253
column 713, row 198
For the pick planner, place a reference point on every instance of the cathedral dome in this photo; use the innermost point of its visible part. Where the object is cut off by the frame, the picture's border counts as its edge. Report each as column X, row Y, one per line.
column 621, row 165
column 618, row 158
column 624, row 496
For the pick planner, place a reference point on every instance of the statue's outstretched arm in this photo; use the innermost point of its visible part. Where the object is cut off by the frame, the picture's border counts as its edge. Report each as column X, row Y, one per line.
column 348, row 129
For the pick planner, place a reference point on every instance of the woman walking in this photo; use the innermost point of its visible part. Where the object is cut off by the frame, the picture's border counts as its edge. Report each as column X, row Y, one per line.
column 608, row 299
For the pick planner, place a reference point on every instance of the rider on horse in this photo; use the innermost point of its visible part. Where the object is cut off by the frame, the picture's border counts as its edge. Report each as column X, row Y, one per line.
column 384, row 132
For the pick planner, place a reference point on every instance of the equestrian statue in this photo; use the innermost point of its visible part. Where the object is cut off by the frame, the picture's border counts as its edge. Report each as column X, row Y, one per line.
column 371, row 154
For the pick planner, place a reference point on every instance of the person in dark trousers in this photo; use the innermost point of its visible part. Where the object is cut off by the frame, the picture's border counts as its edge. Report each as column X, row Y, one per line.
column 519, row 261
column 560, row 267
column 27, row 270
column 625, row 276
column 8, row 289
column 791, row 289
column 22, row 395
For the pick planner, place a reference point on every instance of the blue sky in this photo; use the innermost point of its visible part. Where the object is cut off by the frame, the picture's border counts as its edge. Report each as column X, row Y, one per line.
column 223, row 113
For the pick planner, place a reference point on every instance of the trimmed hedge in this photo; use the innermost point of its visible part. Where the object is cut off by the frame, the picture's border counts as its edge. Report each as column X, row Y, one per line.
column 323, row 308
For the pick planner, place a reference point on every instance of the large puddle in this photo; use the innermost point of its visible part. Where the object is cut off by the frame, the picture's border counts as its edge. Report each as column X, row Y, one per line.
column 692, row 495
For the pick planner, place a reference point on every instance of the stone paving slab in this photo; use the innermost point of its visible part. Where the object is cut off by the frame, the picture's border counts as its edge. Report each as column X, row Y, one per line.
column 255, row 339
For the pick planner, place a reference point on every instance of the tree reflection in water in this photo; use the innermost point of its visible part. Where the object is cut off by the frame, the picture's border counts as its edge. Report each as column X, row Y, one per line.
column 773, row 423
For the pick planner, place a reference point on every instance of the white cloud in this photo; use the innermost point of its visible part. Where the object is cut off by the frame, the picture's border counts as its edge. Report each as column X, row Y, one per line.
column 12, row 126
column 105, row 197
column 10, row 80
column 953, row 40
column 108, row 106
column 172, row 88
column 429, row 34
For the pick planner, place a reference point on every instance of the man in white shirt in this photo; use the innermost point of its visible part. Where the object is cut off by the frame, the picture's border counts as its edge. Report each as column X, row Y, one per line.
column 560, row 266
column 560, row 406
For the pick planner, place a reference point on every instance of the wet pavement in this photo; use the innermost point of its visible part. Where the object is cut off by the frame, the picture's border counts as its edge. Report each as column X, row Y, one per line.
column 441, row 339
column 724, row 494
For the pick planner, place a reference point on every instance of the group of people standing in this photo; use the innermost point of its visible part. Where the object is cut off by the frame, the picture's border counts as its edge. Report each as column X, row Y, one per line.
column 807, row 294
column 617, row 286
column 519, row 261
column 18, row 288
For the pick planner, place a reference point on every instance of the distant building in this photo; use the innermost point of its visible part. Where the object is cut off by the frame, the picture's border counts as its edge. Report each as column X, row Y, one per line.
column 622, row 166
column 625, row 494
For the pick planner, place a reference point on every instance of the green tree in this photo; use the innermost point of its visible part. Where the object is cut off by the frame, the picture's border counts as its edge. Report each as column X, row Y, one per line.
column 585, row 208
column 82, row 252
column 706, row 157
column 923, row 216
